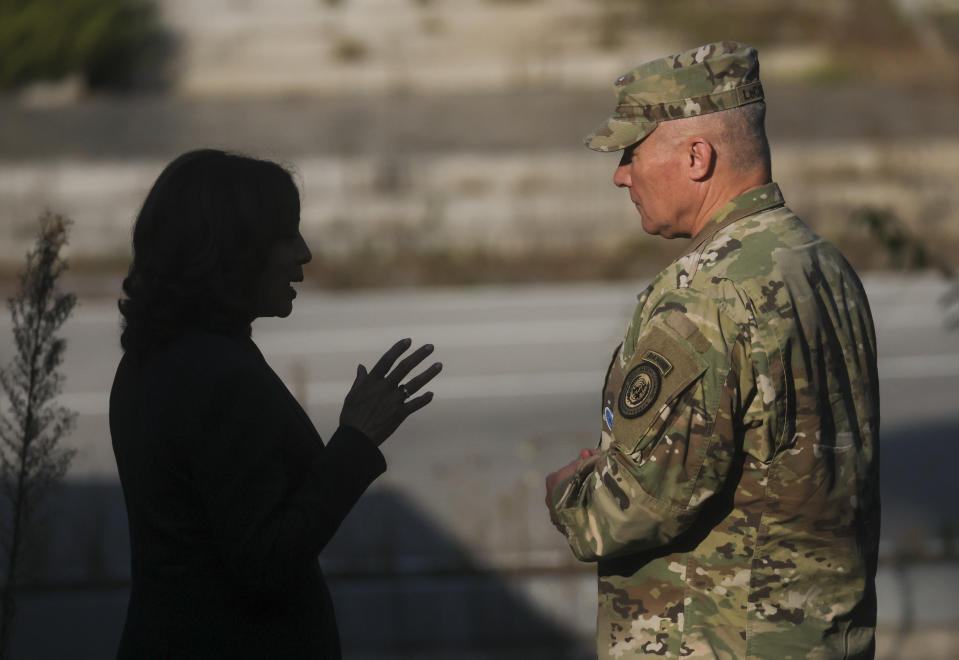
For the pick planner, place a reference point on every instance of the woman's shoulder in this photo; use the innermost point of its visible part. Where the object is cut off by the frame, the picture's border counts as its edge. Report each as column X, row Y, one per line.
column 194, row 375
column 206, row 358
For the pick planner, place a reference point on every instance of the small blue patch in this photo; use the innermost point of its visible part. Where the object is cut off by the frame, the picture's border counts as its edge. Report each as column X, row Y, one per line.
column 608, row 416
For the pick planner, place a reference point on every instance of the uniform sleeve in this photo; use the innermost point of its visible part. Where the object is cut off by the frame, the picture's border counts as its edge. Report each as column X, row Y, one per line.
column 273, row 494
column 673, row 437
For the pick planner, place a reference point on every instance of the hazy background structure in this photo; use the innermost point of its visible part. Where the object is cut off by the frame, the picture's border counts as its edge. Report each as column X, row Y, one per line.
column 447, row 195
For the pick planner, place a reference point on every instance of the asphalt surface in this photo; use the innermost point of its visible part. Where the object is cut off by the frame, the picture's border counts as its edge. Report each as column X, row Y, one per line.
column 460, row 508
column 523, row 368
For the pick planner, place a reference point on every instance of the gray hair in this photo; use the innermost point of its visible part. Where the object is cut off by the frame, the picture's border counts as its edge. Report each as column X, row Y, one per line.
column 738, row 136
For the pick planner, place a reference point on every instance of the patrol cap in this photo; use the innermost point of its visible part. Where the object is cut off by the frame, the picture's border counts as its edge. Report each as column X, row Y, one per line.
column 714, row 77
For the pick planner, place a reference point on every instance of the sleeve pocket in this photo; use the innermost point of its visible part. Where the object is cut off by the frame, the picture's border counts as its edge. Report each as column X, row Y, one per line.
column 662, row 367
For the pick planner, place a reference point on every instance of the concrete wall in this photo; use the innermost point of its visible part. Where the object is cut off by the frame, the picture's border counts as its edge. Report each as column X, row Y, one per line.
column 329, row 46
column 508, row 203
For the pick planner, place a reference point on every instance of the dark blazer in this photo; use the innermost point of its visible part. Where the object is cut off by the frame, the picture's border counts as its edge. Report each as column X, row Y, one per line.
column 230, row 495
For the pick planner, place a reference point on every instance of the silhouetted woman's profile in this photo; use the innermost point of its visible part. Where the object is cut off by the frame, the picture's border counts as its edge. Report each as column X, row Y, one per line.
column 230, row 492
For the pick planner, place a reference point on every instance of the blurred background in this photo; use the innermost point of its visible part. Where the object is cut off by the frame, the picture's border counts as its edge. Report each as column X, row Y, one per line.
column 447, row 196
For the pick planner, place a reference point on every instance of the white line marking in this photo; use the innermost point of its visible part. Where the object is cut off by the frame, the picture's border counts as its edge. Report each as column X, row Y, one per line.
column 472, row 335
column 918, row 366
column 481, row 387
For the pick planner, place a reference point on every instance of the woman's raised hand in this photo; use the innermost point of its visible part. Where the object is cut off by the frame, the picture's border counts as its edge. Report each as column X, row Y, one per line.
column 379, row 401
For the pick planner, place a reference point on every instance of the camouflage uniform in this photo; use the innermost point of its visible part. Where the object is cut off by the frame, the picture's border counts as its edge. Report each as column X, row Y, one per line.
column 733, row 507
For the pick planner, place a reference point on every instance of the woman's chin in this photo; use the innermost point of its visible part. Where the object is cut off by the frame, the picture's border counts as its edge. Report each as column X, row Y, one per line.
column 277, row 302
column 278, row 309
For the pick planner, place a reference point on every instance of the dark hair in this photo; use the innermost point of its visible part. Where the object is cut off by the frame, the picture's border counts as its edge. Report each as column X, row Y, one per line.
column 200, row 244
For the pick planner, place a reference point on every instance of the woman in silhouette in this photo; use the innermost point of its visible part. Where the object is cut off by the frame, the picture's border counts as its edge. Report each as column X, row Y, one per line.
column 230, row 492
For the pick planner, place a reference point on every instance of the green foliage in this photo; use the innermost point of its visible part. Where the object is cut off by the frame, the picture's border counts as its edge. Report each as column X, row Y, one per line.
column 31, row 424
column 832, row 72
column 107, row 42
column 904, row 251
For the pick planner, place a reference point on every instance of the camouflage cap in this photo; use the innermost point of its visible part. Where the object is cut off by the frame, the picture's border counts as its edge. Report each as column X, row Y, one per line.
column 710, row 78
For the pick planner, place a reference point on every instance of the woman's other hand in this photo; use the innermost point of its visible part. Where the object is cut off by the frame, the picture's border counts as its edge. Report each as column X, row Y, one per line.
column 379, row 401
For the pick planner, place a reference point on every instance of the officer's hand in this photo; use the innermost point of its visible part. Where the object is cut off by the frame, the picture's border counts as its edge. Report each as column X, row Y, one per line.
column 558, row 476
column 378, row 403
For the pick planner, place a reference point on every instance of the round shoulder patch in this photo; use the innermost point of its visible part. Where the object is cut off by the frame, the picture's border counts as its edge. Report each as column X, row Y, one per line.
column 639, row 391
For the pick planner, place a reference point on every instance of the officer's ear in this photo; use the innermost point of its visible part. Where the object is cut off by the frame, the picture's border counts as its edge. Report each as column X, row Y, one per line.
column 699, row 158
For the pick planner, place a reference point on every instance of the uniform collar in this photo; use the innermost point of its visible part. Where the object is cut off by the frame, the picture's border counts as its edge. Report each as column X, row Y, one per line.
column 752, row 201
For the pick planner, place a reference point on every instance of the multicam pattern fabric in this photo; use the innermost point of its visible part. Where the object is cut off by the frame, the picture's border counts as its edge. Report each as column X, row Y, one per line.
column 737, row 516
column 714, row 77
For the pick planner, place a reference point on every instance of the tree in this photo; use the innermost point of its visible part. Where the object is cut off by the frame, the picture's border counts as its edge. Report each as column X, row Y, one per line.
column 31, row 424
column 109, row 43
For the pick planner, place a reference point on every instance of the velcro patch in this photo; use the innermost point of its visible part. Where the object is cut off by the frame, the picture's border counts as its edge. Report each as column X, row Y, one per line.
column 688, row 330
column 663, row 367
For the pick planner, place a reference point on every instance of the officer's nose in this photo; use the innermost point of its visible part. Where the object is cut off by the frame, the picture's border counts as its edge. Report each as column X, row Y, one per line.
column 622, row 177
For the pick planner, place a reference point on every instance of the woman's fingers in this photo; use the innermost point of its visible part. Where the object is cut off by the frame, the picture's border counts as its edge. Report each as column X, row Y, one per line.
column 407, row 364
column 377, row 403
column 412, row 405
column 415, row 384
column 360, row 375
column 389, row 357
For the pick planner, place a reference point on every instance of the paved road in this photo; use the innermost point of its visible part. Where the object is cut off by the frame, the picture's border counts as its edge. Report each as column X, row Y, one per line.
column 519, row 395
column 523, row 367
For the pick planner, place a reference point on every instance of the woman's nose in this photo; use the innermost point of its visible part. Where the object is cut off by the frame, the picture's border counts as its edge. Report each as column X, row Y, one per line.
column 304, row 256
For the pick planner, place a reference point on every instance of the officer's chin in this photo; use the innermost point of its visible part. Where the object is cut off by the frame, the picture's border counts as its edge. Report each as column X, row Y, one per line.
column 663, row 231
column 650, row 227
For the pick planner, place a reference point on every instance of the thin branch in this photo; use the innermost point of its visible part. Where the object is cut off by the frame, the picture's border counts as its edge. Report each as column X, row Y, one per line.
column 31, row 426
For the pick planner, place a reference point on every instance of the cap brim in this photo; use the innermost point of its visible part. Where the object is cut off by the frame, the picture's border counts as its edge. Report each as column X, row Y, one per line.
column 615, row 134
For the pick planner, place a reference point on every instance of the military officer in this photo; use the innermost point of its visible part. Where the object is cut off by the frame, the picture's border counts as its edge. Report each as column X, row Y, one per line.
column 732, row 504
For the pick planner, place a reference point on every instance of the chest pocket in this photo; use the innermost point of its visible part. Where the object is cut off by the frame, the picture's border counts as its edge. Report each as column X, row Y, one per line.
column 640, row 396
